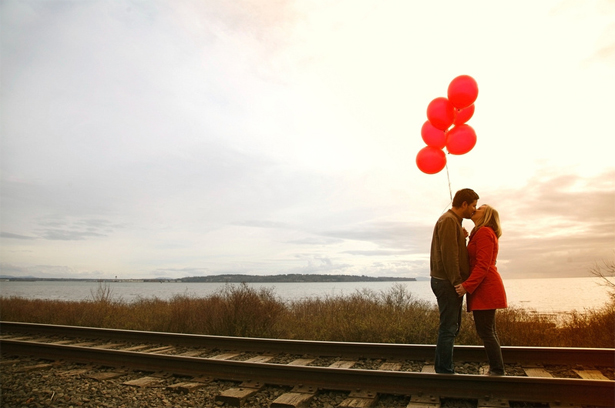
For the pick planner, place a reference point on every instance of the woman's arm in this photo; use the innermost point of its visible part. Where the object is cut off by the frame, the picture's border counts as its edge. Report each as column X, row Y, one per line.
column 485, row 241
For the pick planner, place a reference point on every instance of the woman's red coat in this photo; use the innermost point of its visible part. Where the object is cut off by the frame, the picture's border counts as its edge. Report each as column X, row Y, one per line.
column 484, row 286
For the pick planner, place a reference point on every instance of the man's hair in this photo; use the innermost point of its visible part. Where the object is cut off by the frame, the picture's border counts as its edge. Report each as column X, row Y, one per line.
column 464, row 196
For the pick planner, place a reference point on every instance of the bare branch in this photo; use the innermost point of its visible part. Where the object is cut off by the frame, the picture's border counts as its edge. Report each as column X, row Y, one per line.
column 606, row 272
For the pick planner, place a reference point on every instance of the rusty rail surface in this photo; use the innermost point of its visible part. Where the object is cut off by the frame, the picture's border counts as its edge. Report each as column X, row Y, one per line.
column 600, row 357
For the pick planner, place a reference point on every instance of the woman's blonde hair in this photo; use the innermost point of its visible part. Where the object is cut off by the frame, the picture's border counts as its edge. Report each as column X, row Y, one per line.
column 491, row 218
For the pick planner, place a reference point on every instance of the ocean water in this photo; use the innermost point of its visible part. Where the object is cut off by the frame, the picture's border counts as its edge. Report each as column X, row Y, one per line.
column 558, row 295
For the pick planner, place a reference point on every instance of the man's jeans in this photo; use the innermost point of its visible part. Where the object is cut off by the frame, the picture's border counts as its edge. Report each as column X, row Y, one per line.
column 450, row 305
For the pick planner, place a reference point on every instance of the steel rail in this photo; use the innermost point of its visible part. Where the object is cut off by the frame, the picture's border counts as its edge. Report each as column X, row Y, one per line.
column 599, row 357
column 567, row 391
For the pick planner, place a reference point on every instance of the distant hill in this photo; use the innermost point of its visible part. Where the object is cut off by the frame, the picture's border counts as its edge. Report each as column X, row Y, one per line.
column 291, row 278
column 232, row 278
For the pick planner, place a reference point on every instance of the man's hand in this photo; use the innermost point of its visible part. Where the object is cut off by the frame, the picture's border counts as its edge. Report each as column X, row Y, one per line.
column 460, row 290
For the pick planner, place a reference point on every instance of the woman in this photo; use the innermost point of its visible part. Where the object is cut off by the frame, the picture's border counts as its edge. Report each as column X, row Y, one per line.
column 484, row 287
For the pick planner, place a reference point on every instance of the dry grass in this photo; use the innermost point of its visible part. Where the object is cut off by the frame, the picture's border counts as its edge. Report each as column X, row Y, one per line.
column 393, row 316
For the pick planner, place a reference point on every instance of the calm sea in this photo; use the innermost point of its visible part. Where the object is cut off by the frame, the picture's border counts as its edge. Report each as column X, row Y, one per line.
column 541, row 295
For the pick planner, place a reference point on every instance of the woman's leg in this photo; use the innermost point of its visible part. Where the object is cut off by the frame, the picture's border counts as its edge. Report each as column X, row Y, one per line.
column 485, row 327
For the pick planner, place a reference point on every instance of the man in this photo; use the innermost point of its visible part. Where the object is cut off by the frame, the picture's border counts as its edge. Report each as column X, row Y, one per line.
column 450, row 266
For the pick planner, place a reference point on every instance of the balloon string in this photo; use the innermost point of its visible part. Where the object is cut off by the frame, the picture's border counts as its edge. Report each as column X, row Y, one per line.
column 450, row 192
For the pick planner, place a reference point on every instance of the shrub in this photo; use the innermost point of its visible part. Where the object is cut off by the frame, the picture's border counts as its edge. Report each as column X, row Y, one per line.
column 392, row 316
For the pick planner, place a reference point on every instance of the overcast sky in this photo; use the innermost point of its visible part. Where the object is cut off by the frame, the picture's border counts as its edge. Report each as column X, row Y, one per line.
column 192, row 137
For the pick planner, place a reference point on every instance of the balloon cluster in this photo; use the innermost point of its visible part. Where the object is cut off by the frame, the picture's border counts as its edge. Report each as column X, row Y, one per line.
column 442, row 112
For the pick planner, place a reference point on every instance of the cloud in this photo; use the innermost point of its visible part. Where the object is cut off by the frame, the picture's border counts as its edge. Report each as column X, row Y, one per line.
column 64, row 235
column 15, row 236
column 557, row 225
column 69, row 228
column 402, row 268
column 376, row 253
column 317, row 264
column 576, row 200
column 47, row 271
column 385, row 234
column 213, row 137
column 320, row 241
column 180, row 272
column 605, row 46
column 602, row 44
column 262, row 224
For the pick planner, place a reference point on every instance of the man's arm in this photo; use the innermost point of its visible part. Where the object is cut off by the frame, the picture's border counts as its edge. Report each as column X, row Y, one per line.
column 449, row 248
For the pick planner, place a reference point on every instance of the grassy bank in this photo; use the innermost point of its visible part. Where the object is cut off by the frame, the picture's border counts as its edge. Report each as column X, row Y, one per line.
column 393, row 316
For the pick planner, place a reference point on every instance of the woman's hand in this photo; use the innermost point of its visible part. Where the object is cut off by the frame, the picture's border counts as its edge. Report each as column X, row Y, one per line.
column 460, row 290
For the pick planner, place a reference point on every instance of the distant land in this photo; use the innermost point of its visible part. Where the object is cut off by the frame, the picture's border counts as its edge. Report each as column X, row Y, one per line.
column 292, row 278
column 233, row 278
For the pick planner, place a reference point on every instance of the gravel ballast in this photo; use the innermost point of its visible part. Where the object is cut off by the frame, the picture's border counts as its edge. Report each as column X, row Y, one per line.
column 31, row 382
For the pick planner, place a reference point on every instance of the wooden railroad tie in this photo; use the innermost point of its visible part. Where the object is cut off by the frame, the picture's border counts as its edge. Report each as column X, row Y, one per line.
column 488, row 402
column 390, row 366
column 536, row 371
column 86, row 344
column 185, row 387
column 190, row 386
column 237, row 396
column 299, row 397
column 61, row 342
column 424, row 401
column 360, row 399
column 44, row 366
column 343, row 364
column 18, row 338
column 301, row 362
column 145, row 382
column 138, row 348
column 74, row 372
column 110, row 375
column 160, row 350
column 225, row 356
column 191, row 353
column 591, row 374
column 9, row 362
column 260, row 359
column 108, row 345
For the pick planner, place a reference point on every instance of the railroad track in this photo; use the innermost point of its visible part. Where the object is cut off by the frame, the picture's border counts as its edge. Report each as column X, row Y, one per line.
column 310, row 366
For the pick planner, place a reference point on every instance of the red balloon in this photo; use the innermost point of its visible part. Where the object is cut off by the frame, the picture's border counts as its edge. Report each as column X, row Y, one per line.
column 430, row 160
column 463, row 115
column 441, row 113
column 433, row 136
column 460, row 139
column 462, row 91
